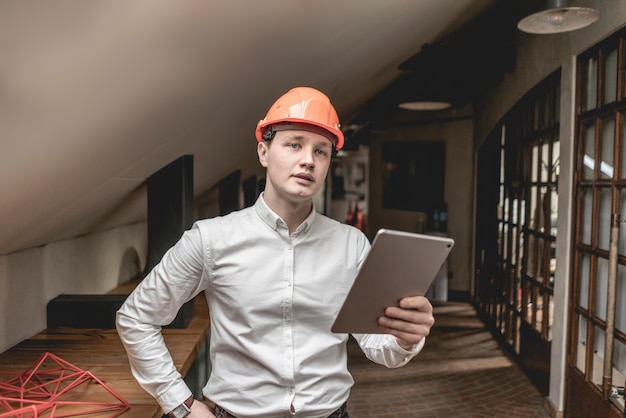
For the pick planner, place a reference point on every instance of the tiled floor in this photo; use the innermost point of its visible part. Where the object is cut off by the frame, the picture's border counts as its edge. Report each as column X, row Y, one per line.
column 461, row 373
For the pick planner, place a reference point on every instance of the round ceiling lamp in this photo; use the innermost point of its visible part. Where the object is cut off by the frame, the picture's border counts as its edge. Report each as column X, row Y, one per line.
column 425, row 105
column 558, row 18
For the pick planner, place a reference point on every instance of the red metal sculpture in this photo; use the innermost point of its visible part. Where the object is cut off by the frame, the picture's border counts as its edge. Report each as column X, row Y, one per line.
column 51, row 387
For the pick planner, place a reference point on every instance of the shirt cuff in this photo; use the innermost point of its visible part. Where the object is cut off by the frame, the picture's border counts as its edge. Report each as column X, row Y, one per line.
column 412, row 352
column 177, row 394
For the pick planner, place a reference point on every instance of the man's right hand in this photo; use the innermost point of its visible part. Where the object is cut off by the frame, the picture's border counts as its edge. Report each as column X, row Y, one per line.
column 200, row 410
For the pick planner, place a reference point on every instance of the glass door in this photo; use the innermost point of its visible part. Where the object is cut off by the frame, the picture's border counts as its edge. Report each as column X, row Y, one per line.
column 515, row 276
column 597, row 348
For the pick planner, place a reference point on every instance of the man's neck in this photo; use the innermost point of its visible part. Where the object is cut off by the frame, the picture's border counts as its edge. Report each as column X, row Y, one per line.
column 293, row 213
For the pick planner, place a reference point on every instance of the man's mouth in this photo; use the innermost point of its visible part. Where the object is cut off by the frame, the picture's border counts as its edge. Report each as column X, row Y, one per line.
column 305, row 176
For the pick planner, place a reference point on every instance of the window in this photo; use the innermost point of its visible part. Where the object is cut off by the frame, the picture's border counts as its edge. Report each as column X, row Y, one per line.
column 600, row 204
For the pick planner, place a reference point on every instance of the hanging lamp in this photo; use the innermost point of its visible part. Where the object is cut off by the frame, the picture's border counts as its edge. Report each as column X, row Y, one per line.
column 557, row 18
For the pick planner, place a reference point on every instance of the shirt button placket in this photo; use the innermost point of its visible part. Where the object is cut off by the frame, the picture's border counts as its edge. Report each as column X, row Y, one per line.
column 287, row 323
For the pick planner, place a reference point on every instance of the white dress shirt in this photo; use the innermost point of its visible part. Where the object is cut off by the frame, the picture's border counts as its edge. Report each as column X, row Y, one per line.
column 272, row 299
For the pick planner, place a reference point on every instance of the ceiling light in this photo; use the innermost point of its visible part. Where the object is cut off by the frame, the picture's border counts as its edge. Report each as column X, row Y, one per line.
column 425, row 105
column 557, row 18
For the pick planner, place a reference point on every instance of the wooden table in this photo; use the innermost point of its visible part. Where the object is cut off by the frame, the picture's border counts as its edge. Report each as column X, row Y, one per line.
column 100, row 352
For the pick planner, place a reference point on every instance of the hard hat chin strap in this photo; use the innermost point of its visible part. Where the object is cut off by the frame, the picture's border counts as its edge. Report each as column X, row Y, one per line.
column 269, row 134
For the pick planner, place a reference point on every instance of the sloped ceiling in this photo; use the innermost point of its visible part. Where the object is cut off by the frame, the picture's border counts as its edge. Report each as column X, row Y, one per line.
column 95, row 96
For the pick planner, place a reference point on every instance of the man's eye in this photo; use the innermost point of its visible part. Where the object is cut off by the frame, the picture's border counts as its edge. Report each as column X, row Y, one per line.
column 293, row 145
column 321, row 152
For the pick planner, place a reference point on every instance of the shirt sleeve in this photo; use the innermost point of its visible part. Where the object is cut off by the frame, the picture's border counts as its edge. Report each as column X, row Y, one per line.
column 384, row 349
column 153, row 304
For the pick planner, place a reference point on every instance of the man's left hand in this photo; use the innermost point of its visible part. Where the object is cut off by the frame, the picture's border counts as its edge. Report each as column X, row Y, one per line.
column 409, row 322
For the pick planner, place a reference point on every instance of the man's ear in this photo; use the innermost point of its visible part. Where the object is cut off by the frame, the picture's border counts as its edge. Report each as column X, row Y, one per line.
column 262, row 150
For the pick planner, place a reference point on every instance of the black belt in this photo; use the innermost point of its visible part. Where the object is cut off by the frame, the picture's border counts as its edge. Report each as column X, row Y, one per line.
column 342, row 412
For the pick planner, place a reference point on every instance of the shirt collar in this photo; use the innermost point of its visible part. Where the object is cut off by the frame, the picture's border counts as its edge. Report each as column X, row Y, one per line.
column 273, row 220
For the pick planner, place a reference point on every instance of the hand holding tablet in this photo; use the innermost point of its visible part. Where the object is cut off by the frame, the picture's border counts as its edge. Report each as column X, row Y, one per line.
column 399, row 264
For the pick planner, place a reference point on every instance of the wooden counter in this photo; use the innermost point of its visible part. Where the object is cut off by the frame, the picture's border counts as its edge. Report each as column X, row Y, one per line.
column 100, row 352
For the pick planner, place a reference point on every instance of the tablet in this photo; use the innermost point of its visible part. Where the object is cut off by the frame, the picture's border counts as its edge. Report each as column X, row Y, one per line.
column 398, row 265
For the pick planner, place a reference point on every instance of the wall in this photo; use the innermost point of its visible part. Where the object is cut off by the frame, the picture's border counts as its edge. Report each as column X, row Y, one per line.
column 89, row 264
column 539, row 55
column 458, row 190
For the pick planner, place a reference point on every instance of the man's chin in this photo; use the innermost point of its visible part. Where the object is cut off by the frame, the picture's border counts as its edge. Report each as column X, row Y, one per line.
column 303, row 194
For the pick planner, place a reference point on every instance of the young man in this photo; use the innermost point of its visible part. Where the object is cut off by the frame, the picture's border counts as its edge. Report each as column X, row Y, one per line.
column 275, row 276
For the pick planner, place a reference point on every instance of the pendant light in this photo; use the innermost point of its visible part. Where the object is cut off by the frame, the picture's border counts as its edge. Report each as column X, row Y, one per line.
column 557, row 18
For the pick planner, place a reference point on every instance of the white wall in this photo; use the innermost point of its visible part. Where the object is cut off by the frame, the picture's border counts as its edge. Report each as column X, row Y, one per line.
column 90, row 264
column 458, row 190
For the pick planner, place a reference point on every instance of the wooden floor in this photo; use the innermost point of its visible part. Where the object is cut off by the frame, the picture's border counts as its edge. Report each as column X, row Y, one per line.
column 462, row 373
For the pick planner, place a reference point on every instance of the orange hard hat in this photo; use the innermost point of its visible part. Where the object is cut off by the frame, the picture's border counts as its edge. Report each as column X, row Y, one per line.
column 303, row 106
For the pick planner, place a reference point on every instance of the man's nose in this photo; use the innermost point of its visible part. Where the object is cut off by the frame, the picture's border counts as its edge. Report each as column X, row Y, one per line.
column 308, row 158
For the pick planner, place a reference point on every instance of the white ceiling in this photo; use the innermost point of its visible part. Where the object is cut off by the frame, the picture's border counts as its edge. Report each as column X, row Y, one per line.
column 95, row 96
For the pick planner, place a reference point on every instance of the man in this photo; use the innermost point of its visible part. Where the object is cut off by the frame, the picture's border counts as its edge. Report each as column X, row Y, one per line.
column 275, row 276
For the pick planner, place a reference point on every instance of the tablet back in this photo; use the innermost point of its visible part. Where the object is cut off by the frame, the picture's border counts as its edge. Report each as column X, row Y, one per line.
column 399, row 264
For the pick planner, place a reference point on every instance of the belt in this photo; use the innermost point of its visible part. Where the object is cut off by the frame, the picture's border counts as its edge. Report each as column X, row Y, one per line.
column 341, row 412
